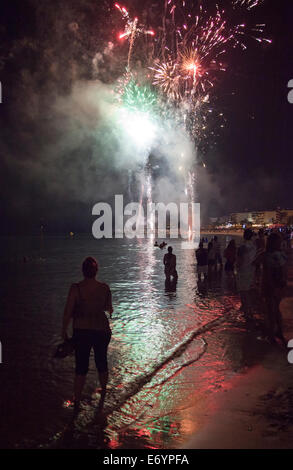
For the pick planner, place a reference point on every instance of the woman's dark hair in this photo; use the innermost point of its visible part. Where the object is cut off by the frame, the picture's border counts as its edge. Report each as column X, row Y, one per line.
column 274, row 242
column 89, row 267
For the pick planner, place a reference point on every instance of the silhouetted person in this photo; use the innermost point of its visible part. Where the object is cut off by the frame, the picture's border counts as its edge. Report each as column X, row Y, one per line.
column 218, row 256
column 202, row 261
column 170, row 265
column 86, row 305
column 230, row 255
column 246, row 272
column 273, row 283
column 260, row 240
column 211, row 257
column 171, row 285
column 260, row 243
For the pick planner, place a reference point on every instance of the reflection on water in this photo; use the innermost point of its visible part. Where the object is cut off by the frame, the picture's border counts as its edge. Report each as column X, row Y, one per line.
column 152, row 382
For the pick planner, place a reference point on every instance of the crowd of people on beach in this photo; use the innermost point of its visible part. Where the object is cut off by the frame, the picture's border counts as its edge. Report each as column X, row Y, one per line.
column 208, row 258
column 259, row 267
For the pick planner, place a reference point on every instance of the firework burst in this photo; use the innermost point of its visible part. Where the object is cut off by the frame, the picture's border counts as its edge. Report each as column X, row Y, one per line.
column 167, row 78
column 198, row 37
column 132, row 30
column 189, row 59
column 140, row 98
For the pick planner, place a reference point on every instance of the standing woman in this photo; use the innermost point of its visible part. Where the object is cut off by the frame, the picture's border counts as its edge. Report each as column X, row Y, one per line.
column 86, row 305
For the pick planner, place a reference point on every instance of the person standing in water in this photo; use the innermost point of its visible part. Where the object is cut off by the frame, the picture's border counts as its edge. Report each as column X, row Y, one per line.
column 86, row 305
column 211, row 257
column 246, row 256
column 202, row 261
column 230, row 255
column 260, row 243
column 170, row 265
column 218, row 257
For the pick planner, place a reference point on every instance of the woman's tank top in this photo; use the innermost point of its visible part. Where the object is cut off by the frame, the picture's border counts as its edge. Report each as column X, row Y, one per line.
column 90, row 307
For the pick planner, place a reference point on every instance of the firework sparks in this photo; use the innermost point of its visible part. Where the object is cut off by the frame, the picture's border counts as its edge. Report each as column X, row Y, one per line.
column 167, row 77
column 132, row 30
column 137, row 110
column 249, row 4
column 187, row 64
column 207, row 41
column 196, row 56
column 137, row 97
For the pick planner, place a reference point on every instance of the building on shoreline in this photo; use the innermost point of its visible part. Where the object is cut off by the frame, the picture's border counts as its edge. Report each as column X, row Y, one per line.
column 254, row 218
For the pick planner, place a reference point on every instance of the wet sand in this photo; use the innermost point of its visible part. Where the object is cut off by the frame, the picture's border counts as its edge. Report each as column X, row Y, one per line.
column 255, row 409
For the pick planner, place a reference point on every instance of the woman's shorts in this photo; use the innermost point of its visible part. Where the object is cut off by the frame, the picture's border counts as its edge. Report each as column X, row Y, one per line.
column 84, row 341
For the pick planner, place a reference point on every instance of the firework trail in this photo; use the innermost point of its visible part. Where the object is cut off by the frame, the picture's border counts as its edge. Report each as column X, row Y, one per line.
column 149, row 196
column 130, row 177
column 132, row 30
column 138, row 105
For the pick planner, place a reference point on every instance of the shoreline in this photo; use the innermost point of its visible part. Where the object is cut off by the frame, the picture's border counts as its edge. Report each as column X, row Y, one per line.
column 238, row 233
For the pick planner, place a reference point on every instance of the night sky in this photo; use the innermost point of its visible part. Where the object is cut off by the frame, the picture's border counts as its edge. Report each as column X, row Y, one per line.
column 50, row 172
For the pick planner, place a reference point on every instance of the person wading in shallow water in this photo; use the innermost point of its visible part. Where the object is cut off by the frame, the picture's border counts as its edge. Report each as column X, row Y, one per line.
column 170, row 266
column 86, row 305
column 202, row 261
column 230, row 255
column 218, row 257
